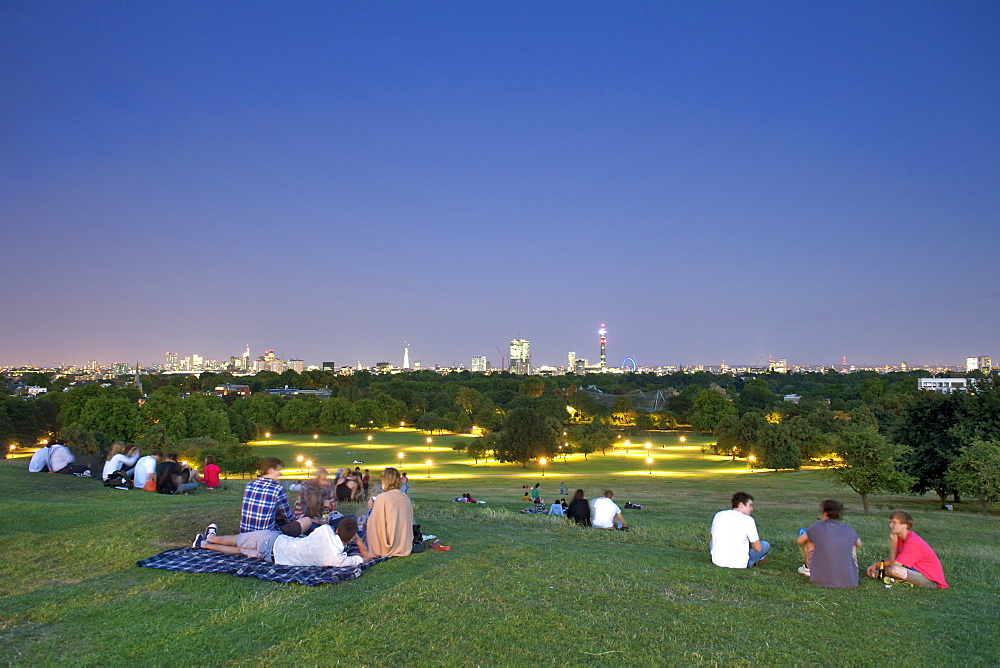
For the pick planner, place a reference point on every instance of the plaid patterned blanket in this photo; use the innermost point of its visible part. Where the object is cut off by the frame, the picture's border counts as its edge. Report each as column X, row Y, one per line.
column 194, row 560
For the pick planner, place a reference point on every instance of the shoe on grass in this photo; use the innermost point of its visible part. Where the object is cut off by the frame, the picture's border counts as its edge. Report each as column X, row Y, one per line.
column 199, row 540
column 804, row 570
column 211, row 531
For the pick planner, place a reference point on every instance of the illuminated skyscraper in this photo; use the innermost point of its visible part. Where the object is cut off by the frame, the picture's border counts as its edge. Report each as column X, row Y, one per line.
column 520, row 356
column 479, row 363
column 406, row 355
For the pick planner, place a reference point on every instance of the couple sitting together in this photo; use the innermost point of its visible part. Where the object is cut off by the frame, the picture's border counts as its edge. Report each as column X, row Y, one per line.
column 266, row 533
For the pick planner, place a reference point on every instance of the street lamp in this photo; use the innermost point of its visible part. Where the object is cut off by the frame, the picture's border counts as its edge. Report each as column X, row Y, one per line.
column 267, row 437
column 309, row 465
column 299, row 459
column 400, row 456
column 429, row 462
column 683, row 439
column 369, row 437
column 627, row 444
column 429, row 439
column 649, row 464
column 542, row 462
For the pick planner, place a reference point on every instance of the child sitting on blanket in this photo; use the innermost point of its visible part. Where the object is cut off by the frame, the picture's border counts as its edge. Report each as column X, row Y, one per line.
column 323, row 547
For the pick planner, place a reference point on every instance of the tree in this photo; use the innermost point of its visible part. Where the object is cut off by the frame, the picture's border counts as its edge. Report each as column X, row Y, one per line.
column 533, row 386
column 596, row 437
column 779, row 450
column 976, row 472
column 756, row 396
column 584, row 403
column 870, row 463
column 165, row 408
column 925, row 424
column 301, row 414
column 337, row 415
column 370, row 414
column 622, row 409
column 527, row 434
column 643, row 421
column 261, row 409
column 708, row 410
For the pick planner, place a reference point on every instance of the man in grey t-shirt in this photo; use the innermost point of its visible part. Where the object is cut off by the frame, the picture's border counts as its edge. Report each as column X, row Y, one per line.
column 830, row 550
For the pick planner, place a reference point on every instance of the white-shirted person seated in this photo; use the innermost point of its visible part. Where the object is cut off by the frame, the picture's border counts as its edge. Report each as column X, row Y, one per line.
column 734, row 540
column 605, row 513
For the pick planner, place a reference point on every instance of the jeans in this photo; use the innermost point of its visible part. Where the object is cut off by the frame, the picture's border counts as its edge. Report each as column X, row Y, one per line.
column 756, row 555
column 186, row 487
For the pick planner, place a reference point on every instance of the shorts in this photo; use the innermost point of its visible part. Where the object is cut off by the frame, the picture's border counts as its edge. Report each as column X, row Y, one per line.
column 918, row 579
column 258, row 544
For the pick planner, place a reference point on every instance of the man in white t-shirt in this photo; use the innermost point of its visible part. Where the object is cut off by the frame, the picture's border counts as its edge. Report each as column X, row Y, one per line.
column 734, row 540
column 605, row 513
column 145, row 468
column 61, row 458
column 39, row 461
column 322, row 547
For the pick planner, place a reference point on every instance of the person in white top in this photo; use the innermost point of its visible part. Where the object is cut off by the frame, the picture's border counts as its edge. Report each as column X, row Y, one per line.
column 121, row 458
column 322, row 547
column 605, row 513
column 734, row 540
column 39, row 461
column 145, row 468
column 61, row 458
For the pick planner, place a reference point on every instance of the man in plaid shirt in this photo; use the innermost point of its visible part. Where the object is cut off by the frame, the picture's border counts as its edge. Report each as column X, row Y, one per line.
column 265, row 504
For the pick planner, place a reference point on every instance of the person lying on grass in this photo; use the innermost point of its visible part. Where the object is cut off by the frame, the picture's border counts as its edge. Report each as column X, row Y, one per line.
column 323, row 547
column 910, row 559
column 830, row 550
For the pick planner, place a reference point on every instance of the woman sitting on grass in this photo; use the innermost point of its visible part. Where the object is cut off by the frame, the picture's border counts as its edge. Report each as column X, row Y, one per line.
column 346, row 487
column 579, row 509
column 120, row 458
column 315, row 498
column 211, row 471
column 389, row 529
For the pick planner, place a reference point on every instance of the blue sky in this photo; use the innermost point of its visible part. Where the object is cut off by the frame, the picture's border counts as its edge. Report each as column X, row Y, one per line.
column 715, row 181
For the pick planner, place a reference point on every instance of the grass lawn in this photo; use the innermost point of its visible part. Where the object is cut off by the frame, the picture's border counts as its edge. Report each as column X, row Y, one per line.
column 516, row 589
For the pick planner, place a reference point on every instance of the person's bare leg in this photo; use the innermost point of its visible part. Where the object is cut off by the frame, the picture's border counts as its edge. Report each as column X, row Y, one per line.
column 228, row 549
column 807, row 553
column 305, row 523
column 222, row 540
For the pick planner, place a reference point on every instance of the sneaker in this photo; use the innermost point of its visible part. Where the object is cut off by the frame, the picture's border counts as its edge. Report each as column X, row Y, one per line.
column 211, row 531
column 804, row 570
column 199, row 540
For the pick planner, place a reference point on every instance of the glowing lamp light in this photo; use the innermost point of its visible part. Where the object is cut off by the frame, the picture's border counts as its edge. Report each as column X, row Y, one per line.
column 649, row 464
column 542, row 461
column 299, row 459
column 683, row 439
column 752, row 458
column 315, row 436
column 429, row 462
column 369, row 437
column 402, row 424
column 400, row 455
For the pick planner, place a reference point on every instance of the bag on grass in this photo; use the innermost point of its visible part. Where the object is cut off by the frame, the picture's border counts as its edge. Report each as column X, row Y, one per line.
column 118, row 480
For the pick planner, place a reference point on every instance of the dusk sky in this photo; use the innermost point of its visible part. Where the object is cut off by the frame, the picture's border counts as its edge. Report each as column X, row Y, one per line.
column 713, row 180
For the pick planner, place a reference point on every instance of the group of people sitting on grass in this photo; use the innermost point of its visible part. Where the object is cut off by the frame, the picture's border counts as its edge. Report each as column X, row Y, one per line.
column 829, row 548
column 315, row 534
column 601, row 512
column 123, row 465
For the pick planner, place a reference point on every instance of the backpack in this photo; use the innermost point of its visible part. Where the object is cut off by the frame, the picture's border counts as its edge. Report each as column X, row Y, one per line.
column 418, row 540
column 118, row 480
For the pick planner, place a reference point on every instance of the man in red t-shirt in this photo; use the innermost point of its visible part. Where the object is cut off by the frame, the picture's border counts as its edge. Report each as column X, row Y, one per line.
column 911, row 558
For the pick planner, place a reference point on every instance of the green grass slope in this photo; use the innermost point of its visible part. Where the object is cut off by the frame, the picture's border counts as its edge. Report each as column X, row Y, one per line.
column 516, row 589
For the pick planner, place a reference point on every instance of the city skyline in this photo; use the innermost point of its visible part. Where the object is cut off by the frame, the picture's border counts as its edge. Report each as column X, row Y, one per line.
column 721, row 182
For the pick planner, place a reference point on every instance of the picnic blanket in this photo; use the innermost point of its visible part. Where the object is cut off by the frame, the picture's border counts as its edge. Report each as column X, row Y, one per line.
column 197, row 560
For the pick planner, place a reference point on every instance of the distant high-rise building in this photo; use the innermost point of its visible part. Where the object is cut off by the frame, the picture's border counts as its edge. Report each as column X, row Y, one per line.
column 902, row 366
column 246, row 358
column 406, row 355
column 520, row 356
column 571, row 362
column 329, row 366
column 296, row 365
column 781, row 366
column 120, row 368
column 480, row 364
column 171, row 362
column 604, row 346
column 982, row 363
